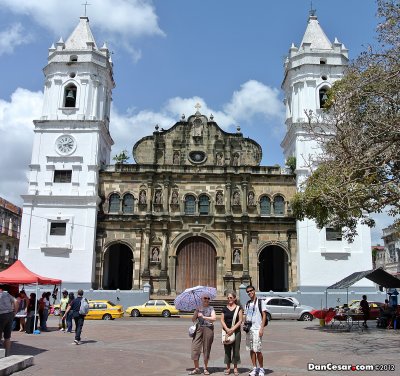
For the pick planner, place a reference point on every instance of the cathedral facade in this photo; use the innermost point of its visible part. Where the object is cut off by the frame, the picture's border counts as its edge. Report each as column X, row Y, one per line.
column 196, row 207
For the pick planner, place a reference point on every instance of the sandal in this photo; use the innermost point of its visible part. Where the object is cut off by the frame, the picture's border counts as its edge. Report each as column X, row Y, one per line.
column 236, row 373
column 227, row 372
column 206, row 372
column 196, row 371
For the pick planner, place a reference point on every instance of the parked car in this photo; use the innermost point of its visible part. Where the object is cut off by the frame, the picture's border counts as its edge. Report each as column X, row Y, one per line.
column 279, row 307
column 152, row 308
column 104, row 310
column 374, row 308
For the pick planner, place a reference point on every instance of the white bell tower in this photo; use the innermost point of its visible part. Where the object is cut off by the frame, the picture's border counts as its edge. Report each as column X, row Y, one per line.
column 71, row 142
column 310, row 70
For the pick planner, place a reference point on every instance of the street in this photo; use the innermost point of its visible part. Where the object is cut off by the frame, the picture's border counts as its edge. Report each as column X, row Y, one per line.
column 159, row 346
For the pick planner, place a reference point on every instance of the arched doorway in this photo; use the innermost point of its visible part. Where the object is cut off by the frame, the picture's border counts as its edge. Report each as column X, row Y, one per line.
column 195, row 264
column 118, row 268
column 273, row 269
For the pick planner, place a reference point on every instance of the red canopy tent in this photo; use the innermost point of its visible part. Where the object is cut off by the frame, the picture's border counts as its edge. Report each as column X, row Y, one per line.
column 18, row 273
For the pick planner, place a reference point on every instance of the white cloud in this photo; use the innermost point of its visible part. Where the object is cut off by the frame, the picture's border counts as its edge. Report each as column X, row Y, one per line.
column 125, row 19
column 255, row 98
column 382, row 221
column 11, row 38
column 16, row 134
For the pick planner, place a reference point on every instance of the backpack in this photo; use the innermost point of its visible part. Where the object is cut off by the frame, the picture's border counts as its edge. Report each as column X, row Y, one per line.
column 84, row 307
column 259, row 308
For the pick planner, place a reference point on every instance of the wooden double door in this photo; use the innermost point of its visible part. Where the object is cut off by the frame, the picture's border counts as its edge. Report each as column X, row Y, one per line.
column 196, row 264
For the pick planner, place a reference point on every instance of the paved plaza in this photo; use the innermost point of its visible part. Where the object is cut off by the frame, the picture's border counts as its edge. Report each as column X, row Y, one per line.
column 158, row 346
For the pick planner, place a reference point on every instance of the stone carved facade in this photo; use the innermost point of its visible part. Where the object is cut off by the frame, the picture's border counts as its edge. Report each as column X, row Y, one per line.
column 202, row 202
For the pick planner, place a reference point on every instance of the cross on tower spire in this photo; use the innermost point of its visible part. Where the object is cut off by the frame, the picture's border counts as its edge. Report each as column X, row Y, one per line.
column 85, row 5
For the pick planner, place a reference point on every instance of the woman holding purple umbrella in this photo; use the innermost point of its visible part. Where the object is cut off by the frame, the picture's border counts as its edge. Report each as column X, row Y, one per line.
column 204, row 336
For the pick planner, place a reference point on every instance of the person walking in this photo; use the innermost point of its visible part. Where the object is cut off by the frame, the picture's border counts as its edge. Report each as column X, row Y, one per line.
column 79, row 318
column 231, row 321
column 204, row 336
column 365, row 310
column 71, row 297
column 255, row 318
column 8, row 309
column 63, row 307
column 30, row 317
column 23, row 302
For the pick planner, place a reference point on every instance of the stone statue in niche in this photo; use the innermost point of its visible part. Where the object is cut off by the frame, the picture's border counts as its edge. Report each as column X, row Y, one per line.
column 197, row 128
column 176, row 158
column 236, row 256
column 174, row 198
column 142, row 197
column 250, row 199
column 155, row 254
column 157, row 198
column 220, row 159
column 235, row 160
column 236, row 199
column 219, row 199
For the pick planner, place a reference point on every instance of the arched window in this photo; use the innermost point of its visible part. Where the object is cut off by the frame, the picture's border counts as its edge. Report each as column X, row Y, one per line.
column 279, row 205
column 70, row 96
column 204, row 205
column 114, row 203
column 127, row 204
column 323, row 96
column 265, row 205
column 190, row 204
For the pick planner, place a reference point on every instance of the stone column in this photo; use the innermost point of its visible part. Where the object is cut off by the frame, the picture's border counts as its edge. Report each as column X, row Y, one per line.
column 146, row 249
column 246, row 275
column 149, row 196
column 172, row 273
column 244, row 197
column 228, row 198
column 166, row 197
column 163, row 281
column 228, row 278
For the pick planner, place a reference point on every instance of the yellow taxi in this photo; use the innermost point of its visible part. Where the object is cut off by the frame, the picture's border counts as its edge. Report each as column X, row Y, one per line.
column 152, row 308
column 104, row 310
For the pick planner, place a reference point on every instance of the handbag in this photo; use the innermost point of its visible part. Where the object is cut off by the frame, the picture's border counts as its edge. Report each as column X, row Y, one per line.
column 225, row 339
column 192, row 330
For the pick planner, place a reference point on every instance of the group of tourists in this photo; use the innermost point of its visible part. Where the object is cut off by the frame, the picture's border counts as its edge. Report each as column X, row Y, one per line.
column 22, row 309
column 252, row 318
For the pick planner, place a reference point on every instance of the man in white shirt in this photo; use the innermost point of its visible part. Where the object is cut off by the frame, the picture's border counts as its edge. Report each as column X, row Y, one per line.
column 255, row 315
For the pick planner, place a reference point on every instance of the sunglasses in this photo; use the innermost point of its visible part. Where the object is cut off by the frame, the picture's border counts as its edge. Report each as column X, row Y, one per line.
column 206, row 298
column 231, row 297
column 249, row 291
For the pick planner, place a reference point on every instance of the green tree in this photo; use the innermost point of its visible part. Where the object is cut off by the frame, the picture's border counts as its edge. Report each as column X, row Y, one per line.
column 122, row 157
column 359, row 133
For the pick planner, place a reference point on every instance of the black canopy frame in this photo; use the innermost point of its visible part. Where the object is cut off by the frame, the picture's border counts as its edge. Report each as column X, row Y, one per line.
column 378, row 276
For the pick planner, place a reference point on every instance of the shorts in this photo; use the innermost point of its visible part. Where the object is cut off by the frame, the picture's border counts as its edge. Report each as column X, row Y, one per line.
column 253, row 341
column 6, row 320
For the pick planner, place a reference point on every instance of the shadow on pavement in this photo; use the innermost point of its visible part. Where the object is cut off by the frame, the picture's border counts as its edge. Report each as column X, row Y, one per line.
column 18, row 348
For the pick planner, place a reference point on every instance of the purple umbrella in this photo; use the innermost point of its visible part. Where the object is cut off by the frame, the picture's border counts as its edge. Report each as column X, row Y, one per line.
column 190, row 299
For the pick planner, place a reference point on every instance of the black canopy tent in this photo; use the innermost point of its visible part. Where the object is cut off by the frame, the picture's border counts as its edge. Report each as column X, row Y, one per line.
column 379, row 276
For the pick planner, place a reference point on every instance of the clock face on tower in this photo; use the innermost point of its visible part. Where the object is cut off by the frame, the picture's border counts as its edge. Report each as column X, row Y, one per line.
column 65, row 144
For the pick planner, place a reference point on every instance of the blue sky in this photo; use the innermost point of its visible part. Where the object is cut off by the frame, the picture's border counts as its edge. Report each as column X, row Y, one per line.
column 168, row 54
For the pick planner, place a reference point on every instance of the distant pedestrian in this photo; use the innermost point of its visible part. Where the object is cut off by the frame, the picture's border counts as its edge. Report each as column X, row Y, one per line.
column 30, row 318
column 44, row 310
column 63, row 307
column 8, row 309
column 79, row 318
column 69, row 318
column 365, row 310
column 23, row 302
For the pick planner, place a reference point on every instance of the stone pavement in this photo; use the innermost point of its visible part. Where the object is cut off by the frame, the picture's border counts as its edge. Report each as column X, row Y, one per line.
column 159, row 346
